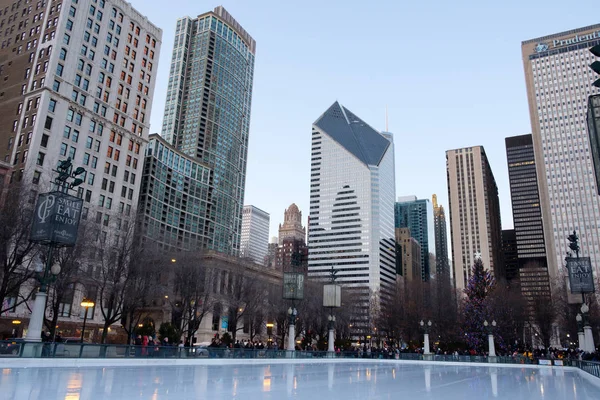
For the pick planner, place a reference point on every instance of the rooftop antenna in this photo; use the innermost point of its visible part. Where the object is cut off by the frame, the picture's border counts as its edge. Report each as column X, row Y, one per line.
column 386, row 119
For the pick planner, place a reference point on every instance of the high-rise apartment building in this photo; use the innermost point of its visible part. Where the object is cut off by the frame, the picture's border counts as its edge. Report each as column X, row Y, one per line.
column 417, row 215
column 475, row 227
column 255, row 234
column 410, row 255
column 559, row 81
column 207, row 112
column 442, row 264
column 77, row 82
column 527, row 218
column 175, row 198
column 352, row 190
column 292, row 225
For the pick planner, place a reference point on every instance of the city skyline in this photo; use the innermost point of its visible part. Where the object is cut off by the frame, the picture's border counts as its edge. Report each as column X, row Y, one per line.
column 463, row 124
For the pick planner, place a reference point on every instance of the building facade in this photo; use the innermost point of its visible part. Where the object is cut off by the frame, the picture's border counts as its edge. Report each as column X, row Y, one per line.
column 292, row 225
column 78, row 83
column 410, row 254
column 255, row 234
column 207, row 112
column 593, row 123
column 559, row 82
column 175, row 198
column 509, row 254
column 442, row 264
column 352, row 190
column 475, row 226
column 527, row 217
column 417, row 215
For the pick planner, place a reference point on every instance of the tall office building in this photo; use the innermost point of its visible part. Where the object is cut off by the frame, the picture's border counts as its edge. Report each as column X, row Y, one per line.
column 527, row 218
column 207, row 112
column 352, row 190
column 417, row 215
column 509, row 254
column 77, row 82
column 475, row 227
column 255, row 234
column 442, row 264
column 559, row 81
column 410, row 255
column 593, row 122
column 292, row 249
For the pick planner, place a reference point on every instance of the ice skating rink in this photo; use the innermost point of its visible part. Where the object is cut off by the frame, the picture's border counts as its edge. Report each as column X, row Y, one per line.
column 299, row 380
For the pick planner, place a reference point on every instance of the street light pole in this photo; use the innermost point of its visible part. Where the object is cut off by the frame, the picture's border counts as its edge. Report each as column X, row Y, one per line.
column 85, row 303
column 426, row 327
column 491, row 346
column 587, row 330
column 580, row 334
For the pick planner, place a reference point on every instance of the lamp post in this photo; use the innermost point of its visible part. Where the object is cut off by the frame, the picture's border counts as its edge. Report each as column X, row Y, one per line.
column 85, row 303
column 292, row 313
column 580, row 334
column 587, row 329
column 490, row 328
column 270, row 331
column 426, row 327
column 331, row 338
column 55, row 223
column 16, row 323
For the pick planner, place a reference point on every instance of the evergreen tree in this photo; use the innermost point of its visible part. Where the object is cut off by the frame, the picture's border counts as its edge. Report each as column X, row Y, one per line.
column 477, row 306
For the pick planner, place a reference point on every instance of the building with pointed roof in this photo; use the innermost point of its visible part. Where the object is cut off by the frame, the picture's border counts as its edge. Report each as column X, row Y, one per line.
column 352, row 191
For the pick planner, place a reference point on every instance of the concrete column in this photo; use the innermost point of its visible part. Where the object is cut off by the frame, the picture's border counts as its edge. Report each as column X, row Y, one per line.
column 426, row 344
column 291, row 338
column 331, row 342
column 492, row 347
column 36, row 321
column 581, row 340
column 589, row 339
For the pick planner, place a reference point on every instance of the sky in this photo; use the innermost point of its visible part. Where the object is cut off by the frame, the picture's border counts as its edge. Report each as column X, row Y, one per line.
column 450, row 74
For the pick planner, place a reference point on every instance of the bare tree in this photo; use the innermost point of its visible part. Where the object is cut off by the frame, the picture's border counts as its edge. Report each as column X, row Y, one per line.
column 246, row 300
column 192, row 299
column 17, row 254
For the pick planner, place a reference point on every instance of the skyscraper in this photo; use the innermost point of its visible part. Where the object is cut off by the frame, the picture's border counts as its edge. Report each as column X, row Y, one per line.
column 509, row 254
column 417, row 215
column 352, row 190
column 292, row 225
column 255, row 234
column 207, row 112
column 475, row 227
column 442, row 265
column 78, row 80
column 558, row 80
column 410, row 255
column 527, row 218
column 593, row 123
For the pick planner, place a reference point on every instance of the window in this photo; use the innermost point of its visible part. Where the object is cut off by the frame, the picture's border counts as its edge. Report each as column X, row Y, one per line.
column 56, row 86
column 48, row 123
column 40, row 159
column 91, row 176
column 63, row 54
column 86, row 158
column 63, row 149
column 101, row 200
column 44, row 142
column 59, row 69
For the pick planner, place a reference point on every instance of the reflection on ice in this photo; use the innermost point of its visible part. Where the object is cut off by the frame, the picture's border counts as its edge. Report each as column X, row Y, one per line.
column 299, row 381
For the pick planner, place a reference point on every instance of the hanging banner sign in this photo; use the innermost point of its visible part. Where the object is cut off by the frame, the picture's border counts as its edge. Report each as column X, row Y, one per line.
column 56, row 219
column 581, row 276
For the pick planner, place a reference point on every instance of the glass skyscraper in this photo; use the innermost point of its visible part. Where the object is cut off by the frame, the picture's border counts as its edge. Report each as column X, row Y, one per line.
column 207, row 112
column 417, row 215
column 352, row 190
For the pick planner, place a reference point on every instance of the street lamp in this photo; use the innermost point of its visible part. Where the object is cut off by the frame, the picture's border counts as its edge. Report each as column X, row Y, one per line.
column 490, row 330
column 85, row 303
column 292, row 313
column 426, row 327
column 587, row 330
column 270, row 330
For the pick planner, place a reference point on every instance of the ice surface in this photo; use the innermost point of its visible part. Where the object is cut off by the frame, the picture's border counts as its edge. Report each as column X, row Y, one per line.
column 372, row 380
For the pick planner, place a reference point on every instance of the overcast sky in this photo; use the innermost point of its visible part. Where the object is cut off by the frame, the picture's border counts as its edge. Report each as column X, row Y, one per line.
column 450, row 74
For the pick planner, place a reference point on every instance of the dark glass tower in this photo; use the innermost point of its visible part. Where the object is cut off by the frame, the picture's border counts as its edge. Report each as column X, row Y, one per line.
column 442, row 265
column 207, row 112
column 414, row 214
column 527, row 218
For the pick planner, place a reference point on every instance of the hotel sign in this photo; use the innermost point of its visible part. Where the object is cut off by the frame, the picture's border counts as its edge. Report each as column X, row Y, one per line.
column 540, row 47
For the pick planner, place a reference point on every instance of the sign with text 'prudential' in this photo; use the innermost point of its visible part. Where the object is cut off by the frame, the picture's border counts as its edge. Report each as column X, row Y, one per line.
column 56, row 219
column 581, row 277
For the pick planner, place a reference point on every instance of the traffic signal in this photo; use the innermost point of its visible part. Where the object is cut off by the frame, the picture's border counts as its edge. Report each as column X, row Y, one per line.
column 595, row 66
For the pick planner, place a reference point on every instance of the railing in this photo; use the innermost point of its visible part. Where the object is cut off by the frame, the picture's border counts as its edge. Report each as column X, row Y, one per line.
column 21, row 349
